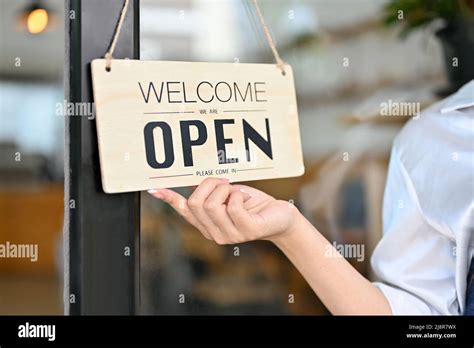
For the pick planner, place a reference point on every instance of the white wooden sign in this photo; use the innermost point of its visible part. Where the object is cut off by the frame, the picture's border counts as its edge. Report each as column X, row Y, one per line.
column 170, row 124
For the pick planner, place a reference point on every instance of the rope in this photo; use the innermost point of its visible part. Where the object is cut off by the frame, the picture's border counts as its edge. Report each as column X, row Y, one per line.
column 279, row 62
column 110, row 52
column 109, row 55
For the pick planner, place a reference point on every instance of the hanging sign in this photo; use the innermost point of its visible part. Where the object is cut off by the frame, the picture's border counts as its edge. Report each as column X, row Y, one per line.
column 170, row 124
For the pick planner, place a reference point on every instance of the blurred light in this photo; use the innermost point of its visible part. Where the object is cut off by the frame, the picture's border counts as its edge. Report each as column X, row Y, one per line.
column 37, row 21
column 36, row 18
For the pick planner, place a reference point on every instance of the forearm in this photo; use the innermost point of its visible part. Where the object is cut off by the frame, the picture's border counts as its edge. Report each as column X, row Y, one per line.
column 342, row 289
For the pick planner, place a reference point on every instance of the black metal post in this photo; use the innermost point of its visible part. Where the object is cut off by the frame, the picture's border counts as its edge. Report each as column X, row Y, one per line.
column 101, row 231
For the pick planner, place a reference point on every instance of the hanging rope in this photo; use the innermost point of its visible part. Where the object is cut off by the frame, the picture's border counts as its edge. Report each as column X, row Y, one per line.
column 109, row 55
column 279, row 62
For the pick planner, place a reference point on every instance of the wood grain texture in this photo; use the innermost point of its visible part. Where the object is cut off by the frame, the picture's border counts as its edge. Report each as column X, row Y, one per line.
column 125, row 103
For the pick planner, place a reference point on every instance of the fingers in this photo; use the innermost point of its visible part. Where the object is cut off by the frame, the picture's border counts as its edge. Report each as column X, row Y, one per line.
column 245, row 194
column 253, row 192
column 172, row 198
column 215, row 207
column 238, row 214
column 196, row 203
column 180, row 204
column 216, row 210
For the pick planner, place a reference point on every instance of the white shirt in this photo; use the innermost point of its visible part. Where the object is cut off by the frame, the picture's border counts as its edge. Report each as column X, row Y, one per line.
column 423, row 259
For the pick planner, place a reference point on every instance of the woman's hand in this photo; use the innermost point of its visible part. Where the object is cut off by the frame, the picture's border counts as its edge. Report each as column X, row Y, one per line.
column 230, row 214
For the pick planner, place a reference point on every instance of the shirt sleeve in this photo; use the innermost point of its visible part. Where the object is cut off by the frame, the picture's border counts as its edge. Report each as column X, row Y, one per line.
column 415, row 263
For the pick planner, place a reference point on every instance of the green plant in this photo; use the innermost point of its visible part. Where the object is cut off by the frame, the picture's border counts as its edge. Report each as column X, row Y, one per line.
column 412, row 14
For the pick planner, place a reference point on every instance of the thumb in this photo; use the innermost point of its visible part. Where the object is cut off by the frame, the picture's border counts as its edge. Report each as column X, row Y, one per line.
column 245, row 195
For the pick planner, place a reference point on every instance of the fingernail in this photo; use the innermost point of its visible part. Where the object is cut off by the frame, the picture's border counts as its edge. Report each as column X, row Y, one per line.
column 243, row 191
column 156, row 193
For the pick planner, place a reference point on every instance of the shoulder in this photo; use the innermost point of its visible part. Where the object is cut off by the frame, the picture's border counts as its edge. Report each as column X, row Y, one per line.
column 448, row 122
column 436, row 151
column 444, row 131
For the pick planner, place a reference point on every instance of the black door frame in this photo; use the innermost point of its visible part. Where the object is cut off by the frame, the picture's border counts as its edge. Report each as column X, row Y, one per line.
column 101, row 231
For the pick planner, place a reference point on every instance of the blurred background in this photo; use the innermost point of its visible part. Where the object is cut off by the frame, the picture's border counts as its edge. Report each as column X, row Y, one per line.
column 349, row 57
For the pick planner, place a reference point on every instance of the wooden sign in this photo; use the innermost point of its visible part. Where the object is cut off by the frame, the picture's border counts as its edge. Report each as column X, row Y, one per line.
column 169, row 124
